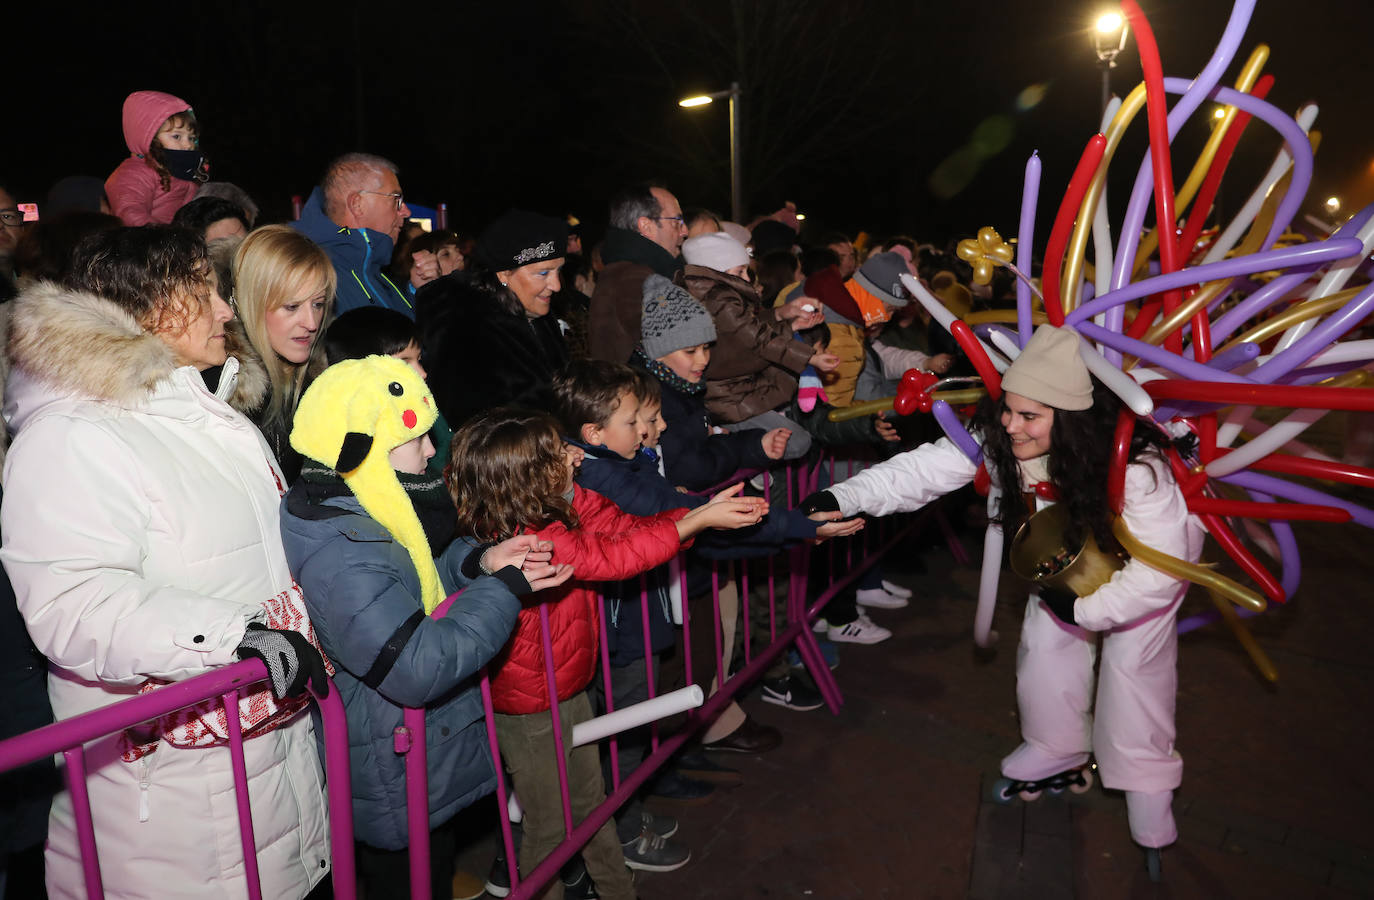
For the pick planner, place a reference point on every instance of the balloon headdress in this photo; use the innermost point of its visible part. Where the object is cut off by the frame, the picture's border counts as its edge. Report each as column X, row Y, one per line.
column 350, row 419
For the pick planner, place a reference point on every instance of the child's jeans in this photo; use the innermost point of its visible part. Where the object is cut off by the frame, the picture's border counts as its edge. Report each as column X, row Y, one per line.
column 528, row 751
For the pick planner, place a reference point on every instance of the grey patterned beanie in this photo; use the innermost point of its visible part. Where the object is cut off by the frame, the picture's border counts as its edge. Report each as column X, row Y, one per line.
column 672, row 319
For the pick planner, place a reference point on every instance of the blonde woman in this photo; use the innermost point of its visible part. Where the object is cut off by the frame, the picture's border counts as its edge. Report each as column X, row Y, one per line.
column 283, row 291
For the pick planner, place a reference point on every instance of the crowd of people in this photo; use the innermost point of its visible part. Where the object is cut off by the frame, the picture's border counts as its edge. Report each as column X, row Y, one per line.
column 231, row 439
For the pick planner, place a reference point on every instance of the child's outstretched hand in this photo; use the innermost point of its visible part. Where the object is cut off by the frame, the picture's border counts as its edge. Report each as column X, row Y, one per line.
column 521, row 551
column 546, row 575
column 726, row 510
column 885, row 429
column 835, row 526
column 775, row 442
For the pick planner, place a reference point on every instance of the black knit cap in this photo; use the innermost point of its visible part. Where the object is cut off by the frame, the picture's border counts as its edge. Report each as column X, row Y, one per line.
column 520, row 237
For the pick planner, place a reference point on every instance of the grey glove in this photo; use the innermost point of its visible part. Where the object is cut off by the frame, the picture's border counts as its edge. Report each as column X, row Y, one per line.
column 291, row 660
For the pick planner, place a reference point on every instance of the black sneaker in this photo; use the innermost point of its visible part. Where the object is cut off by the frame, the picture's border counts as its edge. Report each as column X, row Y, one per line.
column 498, row 879
column 577, row 884
column 792, row 692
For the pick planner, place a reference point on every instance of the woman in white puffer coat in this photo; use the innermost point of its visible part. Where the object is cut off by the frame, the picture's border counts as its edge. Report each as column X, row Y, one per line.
column 140, row 525
column 1053, row 427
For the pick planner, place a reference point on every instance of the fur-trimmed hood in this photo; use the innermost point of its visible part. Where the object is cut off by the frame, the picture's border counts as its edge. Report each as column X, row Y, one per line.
column 253, row 386
column 68, row 343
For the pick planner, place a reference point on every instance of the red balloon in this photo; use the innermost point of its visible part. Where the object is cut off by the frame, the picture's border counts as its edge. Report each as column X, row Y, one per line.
column 982, row 482
column 1244, row 394
column 1219, row 530
column 1063, row 226
column 1313, row 468
column 974, row 350
column 1157, row 114
column 1121, row 457
column 1303, row 511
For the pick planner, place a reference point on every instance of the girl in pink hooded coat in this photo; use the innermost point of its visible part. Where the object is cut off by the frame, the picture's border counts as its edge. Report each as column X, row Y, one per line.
column 166, row 167
column 1053, row 427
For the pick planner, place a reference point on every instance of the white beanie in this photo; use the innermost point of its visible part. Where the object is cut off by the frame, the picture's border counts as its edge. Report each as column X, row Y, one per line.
column 1050, row 371
column 716, row 250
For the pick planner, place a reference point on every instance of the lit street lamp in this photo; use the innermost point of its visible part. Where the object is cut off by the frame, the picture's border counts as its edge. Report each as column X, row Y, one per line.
column 1109, row 39
column 736, row 164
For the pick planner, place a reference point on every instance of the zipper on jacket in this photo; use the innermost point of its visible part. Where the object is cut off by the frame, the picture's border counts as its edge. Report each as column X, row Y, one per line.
column 399, row 293
column 144, row 782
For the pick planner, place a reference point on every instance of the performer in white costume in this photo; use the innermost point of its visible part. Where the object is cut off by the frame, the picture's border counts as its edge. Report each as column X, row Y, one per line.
column 1053, row 427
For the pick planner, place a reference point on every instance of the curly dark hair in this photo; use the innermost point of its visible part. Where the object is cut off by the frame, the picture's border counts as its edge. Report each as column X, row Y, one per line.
column 507, row 474
column 1082, row 442
column 159, row 274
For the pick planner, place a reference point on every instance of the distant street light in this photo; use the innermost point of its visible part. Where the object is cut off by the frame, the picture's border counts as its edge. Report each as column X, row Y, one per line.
column 1333, row 205
column 1109, row 39
column 736, row 164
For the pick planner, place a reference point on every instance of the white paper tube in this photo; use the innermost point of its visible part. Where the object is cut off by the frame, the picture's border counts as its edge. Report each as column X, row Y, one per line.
column 642, row 713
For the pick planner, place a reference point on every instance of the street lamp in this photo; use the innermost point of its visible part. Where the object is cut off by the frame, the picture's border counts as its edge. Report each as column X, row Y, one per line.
column 1109, row 39
column 736, row 164
column 1333, row 205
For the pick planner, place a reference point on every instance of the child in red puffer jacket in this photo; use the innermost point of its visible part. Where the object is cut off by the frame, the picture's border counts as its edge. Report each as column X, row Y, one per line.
column 511, row 473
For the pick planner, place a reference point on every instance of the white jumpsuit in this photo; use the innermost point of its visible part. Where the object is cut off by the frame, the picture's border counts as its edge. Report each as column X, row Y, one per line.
column 1133, row 735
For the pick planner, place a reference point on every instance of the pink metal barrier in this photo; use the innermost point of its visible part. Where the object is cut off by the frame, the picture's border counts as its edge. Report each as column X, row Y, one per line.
column 69, row 735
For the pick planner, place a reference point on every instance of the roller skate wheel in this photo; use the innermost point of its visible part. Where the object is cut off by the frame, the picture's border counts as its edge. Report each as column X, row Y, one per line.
column 1152, row 864
column 1086, row 786
column 1029, row 796
column 1000, row 791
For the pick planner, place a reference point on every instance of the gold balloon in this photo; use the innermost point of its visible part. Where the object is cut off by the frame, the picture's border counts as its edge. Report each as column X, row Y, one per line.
column 1172, row 565
column 985, row 252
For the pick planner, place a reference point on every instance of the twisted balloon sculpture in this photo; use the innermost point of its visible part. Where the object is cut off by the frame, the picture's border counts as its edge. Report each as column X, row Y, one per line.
column 1164, row 365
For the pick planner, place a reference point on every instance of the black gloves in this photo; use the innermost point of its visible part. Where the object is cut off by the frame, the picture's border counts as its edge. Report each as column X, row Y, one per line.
column 291, row 659
column 1059, row 601
column 821, row 501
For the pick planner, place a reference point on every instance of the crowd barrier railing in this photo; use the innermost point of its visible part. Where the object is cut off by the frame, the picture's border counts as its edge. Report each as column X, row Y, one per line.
column 69, row 736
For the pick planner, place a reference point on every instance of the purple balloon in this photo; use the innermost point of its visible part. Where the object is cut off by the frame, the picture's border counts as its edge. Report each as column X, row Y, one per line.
column 956, row 431
column 1312, row 343
column 1298, row 145
column 1297, row 493
column 1319, row 253
column 1193, row 623
column 1025, row 242
column 1238, row 355
column 1156, row 355
column 1279, row 288
column 1288, row 548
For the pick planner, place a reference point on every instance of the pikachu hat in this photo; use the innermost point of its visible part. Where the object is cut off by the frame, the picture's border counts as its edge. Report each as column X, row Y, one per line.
column 351, row 418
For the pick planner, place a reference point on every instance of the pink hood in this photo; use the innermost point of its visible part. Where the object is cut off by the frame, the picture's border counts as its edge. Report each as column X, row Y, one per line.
column 144, row 113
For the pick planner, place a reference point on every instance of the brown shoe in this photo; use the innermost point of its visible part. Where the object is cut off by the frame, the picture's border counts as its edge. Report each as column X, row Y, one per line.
column 750, row 737
column 695, row 764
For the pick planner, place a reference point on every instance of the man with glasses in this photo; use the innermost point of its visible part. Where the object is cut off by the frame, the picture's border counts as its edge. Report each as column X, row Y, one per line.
column 645, row 237
column 355, row 215
column 11, row 226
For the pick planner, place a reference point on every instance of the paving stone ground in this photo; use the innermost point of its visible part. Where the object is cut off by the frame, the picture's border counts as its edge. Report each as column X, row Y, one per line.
column 889, row 799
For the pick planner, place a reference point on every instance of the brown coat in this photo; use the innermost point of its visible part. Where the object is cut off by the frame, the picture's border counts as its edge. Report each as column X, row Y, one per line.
column 616, row 307
column 755, row 361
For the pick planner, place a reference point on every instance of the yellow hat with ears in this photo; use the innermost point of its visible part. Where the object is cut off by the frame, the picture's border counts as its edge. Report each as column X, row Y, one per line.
column 351, row 418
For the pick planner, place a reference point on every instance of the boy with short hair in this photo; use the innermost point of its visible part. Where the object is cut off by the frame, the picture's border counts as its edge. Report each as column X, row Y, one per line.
column 379, row 331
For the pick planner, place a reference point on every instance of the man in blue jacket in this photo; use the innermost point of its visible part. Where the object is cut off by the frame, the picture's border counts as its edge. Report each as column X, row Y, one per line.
column 355, row 215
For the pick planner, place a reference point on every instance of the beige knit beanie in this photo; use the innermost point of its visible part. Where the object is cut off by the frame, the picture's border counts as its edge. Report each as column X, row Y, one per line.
column 1050, row 371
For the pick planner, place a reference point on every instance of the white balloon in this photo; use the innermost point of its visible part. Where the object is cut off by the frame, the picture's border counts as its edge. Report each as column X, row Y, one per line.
column 983, row 635
column 1117, row 381
column 1263, row 445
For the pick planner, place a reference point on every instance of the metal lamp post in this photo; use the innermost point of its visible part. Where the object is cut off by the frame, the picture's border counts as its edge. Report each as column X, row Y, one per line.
column 1109, row 39
column 736, row 163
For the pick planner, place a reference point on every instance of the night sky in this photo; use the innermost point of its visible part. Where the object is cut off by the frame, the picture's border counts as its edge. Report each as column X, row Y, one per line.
column 850, row 107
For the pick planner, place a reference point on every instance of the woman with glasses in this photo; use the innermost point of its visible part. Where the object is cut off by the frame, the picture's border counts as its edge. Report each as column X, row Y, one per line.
column 488, row 337
column 282, row 287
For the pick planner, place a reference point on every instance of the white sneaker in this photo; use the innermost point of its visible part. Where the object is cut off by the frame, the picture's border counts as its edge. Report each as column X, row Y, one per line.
column 820, row 626
column 878, row 598
column 896, row 590
column 860, row 631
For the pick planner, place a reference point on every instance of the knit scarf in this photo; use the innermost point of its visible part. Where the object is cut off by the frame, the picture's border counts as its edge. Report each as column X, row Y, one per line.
column 667, row 375
column 433, row 506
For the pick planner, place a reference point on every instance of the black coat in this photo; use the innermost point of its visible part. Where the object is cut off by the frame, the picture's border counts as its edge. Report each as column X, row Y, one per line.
column 480, row 355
